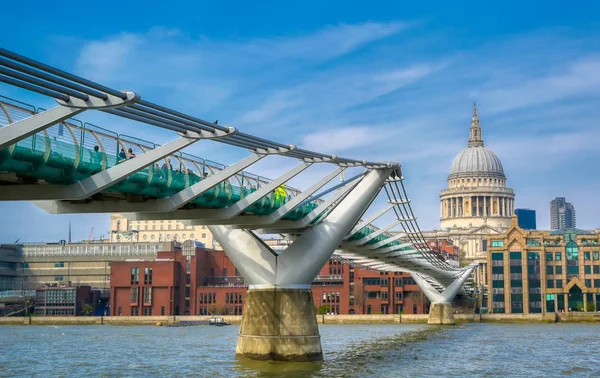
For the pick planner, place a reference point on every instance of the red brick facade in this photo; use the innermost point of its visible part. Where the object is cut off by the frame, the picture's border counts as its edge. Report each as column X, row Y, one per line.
column 209, row 284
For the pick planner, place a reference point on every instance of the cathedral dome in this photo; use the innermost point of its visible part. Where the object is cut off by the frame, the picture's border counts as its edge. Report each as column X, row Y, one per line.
column 476, row 160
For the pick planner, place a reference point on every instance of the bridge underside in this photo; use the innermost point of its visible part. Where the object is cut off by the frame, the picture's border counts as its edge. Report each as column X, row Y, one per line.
column 67, row 166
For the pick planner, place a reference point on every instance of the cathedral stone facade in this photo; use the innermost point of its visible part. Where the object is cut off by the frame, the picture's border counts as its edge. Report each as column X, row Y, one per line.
column 477, row 202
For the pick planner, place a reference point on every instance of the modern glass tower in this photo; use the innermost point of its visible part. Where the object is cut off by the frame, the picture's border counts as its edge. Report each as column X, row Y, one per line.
column 526, row 217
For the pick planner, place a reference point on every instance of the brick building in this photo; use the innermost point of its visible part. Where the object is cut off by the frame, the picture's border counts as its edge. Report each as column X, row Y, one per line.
column 64, row 300
column 195, row 281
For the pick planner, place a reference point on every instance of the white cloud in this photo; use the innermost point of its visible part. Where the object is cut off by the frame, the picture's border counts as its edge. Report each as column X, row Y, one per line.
column 576, row 78
column 336, row 140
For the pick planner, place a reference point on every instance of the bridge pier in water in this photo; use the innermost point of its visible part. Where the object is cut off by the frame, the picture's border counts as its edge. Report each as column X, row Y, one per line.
column 441, row 312
column 279, row 320
column 279, row 324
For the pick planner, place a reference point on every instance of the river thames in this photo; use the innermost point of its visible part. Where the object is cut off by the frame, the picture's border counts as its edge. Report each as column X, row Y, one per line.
column 527, row 350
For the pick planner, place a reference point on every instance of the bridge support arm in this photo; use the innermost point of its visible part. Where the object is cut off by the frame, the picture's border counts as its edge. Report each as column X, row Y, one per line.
column 20, row 130
column 441, row 312
column 302, row 260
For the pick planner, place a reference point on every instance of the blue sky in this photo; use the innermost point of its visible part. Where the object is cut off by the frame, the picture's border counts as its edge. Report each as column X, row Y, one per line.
column 383, row 81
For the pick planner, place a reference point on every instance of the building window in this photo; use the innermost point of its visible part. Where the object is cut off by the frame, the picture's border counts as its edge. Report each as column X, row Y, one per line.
column 59, row 278
column 148, row 294
column 550, row 284
column 135, row 276
column 515, row 255
column 559, row 284
column 587, row 270
column 549, row 269
column 548, row 256
column 596, row 255
column 59, row 264
column 596, row 269
column 148, row 276
column 596, row 283
column 119, row 311
column 586, row 255
column 497, row 243
column 203, row 235
column 588, row 283
column 192, row 236
column 135, row 291
column 148, row 311
column 162, row 310
column 558, row 269
column 134, row 311
column 225, row 271
column 557, row 256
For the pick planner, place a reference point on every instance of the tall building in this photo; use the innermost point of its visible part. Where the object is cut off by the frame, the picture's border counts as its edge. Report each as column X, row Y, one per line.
column 526, row 218
column 562, row 214
column 477, row 203
column 544, row 271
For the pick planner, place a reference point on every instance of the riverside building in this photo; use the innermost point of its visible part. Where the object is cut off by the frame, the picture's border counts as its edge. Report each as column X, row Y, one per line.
column 153, row 231
column 192, row 280
column 543, row 271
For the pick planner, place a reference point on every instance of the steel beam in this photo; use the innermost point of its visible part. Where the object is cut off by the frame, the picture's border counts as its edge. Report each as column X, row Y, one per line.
column 387, row 241
column 303, row 259
column 99, row 181
column 364, row 223
column 296, row 201
column 14, row 132
column 191, row 193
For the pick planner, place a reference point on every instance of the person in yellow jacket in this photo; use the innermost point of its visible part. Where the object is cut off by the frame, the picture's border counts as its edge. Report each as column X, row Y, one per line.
column 280, row 192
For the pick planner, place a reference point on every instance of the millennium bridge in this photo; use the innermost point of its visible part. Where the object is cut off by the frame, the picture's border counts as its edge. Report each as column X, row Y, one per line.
column 67, row 166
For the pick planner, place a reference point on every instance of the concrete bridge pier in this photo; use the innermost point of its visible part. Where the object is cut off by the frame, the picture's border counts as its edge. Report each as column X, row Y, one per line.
column 279, row 324
column 279, row 320
column 441, row 312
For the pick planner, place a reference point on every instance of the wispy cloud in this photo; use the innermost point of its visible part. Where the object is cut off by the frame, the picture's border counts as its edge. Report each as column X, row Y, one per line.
column 578, row 78
column 373, row 91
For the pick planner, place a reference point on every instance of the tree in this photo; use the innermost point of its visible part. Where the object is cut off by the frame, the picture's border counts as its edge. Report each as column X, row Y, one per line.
column 360, row 298
column 215, row 310
column 87, row 310
column 322, row 310
column 591, row 307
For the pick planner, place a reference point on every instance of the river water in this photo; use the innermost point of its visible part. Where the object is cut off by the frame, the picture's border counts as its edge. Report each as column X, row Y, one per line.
column 528, row 350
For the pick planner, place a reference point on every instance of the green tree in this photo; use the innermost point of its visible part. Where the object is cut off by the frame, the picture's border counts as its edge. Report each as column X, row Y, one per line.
column 591, row 307
column 322, row 309
column 87, row 310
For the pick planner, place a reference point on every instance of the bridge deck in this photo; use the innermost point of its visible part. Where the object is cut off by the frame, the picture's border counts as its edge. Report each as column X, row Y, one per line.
column 64, row 154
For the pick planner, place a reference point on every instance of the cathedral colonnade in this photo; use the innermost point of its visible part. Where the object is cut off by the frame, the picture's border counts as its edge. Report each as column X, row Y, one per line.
column 478, row 206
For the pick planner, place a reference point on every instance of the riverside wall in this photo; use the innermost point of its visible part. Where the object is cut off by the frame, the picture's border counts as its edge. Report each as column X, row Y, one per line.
column 564, row 317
